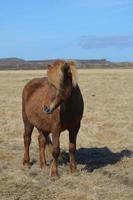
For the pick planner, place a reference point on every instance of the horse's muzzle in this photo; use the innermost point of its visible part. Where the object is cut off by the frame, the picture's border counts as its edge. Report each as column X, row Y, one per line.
column 47, row 110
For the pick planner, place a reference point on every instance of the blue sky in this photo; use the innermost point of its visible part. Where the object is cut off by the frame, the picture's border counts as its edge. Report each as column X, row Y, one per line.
column 70, row 29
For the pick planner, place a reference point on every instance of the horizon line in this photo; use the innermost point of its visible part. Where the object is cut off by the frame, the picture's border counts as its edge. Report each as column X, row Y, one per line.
column 78, row 59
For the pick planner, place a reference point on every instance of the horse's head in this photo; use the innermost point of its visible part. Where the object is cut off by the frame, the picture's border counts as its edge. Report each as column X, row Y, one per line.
column 63, row 75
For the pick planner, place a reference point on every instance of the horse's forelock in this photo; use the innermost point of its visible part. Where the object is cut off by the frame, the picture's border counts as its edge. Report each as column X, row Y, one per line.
column 70, row 69
column 56, row 72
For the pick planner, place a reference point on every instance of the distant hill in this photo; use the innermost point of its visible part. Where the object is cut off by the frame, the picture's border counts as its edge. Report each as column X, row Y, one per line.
column 20, row 64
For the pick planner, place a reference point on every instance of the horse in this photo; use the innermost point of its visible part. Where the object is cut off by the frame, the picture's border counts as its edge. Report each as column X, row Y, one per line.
column 53, row 104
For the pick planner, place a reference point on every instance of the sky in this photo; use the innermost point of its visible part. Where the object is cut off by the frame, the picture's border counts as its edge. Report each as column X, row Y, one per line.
column 67, row 29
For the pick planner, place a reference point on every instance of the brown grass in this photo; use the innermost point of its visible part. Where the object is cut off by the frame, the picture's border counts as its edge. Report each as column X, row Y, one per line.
column 105, row 142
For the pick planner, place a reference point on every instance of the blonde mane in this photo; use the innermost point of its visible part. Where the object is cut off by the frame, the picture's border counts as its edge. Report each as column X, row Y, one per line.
column 55, row 72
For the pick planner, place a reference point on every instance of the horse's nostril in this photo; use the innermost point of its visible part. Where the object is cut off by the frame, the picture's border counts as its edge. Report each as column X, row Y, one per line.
column 47, row 110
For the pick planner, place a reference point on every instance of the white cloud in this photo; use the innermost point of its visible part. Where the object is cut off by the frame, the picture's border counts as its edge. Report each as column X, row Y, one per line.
column 91, row 42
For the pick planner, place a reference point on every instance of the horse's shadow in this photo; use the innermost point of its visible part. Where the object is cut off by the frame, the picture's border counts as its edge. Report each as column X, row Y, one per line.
column 94, row 158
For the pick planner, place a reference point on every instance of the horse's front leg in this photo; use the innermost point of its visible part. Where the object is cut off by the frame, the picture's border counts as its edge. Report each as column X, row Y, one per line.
column 42, row 145
column 72, row 147
column 55, row 154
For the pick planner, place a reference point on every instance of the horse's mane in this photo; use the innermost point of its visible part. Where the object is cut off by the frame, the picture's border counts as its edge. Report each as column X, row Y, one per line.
column 56, row 72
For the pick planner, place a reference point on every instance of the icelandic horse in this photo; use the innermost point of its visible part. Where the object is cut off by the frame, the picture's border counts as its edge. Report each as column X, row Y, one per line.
column 53, row 104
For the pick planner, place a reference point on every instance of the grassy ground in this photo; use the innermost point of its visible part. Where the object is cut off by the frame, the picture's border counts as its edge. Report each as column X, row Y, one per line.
column 105, row 142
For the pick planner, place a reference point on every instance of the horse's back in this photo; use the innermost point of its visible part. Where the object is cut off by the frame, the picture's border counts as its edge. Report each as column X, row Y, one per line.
column 32, row 86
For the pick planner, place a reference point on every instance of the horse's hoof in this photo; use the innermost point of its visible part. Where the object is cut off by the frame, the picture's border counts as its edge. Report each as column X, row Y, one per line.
column 27, row 165
column 54, row 177
column 47, row 110
column 54, row 174
column 72, row 168
column 43, row 166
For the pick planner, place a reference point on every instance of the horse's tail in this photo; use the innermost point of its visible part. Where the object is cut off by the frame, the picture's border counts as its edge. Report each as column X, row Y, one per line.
column 57, row 71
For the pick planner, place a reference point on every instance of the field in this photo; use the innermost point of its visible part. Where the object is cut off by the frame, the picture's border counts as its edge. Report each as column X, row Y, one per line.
column 104, row 144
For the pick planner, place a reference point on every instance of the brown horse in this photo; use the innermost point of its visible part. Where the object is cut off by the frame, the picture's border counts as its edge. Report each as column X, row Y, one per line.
column 53, row 104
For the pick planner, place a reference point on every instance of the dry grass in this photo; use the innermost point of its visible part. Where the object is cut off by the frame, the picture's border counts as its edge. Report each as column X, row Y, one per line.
column 105, row 142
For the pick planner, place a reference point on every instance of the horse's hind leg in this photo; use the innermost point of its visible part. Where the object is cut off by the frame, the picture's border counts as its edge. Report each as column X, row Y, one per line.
column 27, row 140
column 72, row 147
